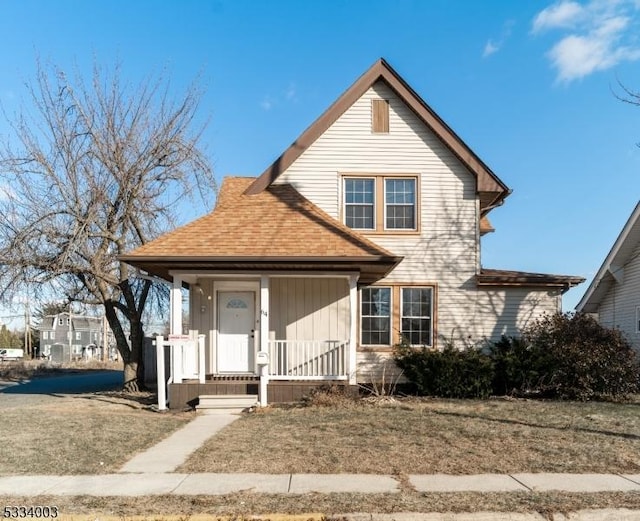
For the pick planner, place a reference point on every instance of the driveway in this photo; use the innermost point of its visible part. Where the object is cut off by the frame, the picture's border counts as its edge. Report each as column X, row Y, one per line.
column 40, row 390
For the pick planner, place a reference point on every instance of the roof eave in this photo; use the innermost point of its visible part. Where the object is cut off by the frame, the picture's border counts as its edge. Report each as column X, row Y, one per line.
column 487, row 181
column 590, row 301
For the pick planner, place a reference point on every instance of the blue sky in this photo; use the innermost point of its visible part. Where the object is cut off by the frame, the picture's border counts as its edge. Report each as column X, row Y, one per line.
column 528, row 85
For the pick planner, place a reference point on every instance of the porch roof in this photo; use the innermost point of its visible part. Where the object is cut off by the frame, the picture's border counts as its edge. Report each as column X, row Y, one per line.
column 500, row 278
column 276, row 229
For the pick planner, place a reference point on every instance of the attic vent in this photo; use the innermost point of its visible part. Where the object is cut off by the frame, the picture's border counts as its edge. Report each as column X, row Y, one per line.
column 380, row 116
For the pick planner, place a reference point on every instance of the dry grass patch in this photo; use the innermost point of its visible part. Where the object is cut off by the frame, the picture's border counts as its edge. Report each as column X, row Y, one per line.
column 81, row 434
column 429, row 436
column 247, row 503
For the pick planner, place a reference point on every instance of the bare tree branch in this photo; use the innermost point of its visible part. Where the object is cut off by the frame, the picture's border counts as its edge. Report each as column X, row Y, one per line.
column 93, row 170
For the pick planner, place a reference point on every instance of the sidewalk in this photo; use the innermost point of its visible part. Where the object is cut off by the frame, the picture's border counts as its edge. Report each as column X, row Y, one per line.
column 154, row 483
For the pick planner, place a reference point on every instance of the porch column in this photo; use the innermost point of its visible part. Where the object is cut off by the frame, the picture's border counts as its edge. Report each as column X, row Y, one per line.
column 175, row 327
column 264, row 337
column 353, row 314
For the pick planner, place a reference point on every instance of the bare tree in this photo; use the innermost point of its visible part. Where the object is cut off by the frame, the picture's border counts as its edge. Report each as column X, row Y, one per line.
column 92, row 171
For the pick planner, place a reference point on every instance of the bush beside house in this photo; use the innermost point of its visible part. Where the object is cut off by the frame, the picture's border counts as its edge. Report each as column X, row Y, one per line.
column 566, row 356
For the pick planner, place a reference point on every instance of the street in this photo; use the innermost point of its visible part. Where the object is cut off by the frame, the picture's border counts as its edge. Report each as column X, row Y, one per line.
column 43, row 389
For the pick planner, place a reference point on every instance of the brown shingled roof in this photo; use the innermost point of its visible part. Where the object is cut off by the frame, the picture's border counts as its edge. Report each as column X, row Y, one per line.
column 273, row 226
column 498, row 278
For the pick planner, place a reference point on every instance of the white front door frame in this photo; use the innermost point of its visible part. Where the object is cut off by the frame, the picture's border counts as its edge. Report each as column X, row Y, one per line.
column 230, row 286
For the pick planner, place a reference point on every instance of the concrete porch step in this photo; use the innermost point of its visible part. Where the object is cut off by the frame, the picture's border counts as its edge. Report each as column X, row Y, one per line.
column 226, row 402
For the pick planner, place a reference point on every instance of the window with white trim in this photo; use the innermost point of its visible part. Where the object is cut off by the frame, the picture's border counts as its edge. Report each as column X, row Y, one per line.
column 375, row 313
column 416, row 321
column 78, row 335
column 45, row 335
column 400, row 203
column 381, row 203
column 359, row 203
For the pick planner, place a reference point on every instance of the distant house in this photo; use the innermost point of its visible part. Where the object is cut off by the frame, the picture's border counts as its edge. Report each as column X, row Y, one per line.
column 614, row 293
column 367, row 229
column 78, row 336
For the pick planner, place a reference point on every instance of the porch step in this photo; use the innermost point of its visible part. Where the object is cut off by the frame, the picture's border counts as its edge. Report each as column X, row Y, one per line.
column 226, row 402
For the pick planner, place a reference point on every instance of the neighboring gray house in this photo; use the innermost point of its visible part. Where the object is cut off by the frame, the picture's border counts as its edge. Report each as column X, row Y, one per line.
column 614, row 293
column 82, row 334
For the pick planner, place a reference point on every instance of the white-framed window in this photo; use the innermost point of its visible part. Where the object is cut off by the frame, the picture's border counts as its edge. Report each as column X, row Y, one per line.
column 416, row 310
column 60, row 321
column 78, row 335
column 381, row 203
column 45, row 335
column 375, row 316
column 360, row 203
column 400, row 203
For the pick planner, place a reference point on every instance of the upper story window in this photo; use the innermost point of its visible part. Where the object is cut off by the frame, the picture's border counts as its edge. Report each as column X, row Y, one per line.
column 359, row 207
column 381, row 203
column 400, row 204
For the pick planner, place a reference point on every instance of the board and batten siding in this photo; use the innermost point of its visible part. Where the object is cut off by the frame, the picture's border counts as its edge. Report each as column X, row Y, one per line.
column 309, row 309
column 618, row 306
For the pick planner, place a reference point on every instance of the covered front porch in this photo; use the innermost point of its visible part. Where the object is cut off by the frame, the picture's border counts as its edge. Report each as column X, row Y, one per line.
column 274, row 334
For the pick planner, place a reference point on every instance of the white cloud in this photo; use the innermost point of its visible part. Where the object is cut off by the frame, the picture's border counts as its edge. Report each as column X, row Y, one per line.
column 291, row 93
column 493, row 46
column 601, row 34
column 561, row 14
column 266, row 103
column 489, row 49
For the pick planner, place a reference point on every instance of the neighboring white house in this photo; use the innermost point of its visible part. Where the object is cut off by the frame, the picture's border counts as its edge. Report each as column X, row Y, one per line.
column 614, row 293
column 366, row 229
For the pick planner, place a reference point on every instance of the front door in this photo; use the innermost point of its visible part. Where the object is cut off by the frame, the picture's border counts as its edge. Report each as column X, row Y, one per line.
column 236, row 324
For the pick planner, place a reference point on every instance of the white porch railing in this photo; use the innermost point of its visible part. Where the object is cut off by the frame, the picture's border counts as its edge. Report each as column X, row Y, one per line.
column 308, row 359
column 186, row 358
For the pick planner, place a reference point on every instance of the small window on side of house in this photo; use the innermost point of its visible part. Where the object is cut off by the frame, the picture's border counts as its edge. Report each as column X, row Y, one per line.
column 416, row 321
column 359, row 203
column 400, row 204
column 375, row 313
column 380, row 116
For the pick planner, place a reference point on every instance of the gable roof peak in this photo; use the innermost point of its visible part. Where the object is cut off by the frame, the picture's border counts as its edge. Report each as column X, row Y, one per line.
column 491, row 189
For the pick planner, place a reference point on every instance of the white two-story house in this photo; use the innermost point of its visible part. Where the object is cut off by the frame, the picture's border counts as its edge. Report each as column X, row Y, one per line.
column 365, row 230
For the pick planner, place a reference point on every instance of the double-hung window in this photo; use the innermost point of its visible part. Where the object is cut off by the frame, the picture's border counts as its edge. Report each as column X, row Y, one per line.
column 375, row 313
column 381, row 203
column 400, row 204
column 416, row 320
column 359, row 203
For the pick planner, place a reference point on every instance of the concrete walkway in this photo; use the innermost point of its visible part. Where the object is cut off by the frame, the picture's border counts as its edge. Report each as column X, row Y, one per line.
column 155, row 483
column 173, row 451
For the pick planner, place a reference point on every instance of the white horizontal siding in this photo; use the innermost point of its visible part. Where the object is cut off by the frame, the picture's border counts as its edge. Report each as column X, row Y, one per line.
column 378, row 368
column 618, row 307
column 446, row 252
